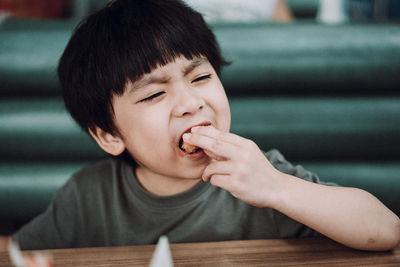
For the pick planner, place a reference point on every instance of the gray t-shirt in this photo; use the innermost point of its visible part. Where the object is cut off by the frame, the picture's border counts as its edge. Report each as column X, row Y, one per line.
column 104, row 205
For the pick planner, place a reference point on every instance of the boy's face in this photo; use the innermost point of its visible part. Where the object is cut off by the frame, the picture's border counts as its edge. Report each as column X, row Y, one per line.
column 155, row 111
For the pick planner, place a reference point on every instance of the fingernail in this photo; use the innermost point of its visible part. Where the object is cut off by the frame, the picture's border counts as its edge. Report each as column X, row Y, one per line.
column 186, row 136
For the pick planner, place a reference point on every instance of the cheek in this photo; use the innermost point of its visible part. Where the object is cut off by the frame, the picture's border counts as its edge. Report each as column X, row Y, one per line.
column 222, row 109
column 226, row 118
column 144, row 131
column 142, row 134
column 151, row 144
column 151, row 130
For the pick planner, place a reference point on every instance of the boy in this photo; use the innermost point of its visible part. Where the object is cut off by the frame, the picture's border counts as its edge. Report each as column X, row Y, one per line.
column 141, row 77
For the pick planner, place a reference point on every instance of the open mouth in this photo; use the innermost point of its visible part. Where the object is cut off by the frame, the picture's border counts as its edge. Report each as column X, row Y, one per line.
column 186, row 147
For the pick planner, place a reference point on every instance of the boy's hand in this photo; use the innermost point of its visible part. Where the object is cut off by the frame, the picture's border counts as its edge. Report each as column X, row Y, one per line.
column 340, row 213
column 237, row 165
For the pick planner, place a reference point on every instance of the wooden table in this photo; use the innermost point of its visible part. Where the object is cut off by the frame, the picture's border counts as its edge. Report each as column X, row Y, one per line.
column 289, row 252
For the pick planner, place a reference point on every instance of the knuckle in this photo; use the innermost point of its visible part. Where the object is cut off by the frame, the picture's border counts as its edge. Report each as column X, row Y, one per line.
column 206, row 174
column 241, row 168
column 250, row 143
column 235, row 184
column 246, row 155
column 209, row 169
column 216, row 144
column 220, row 135
column 213, row 180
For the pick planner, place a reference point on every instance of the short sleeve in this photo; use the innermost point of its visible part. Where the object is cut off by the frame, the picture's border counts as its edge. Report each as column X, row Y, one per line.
column 287, row 227
column 281, row 164
column 57, row 227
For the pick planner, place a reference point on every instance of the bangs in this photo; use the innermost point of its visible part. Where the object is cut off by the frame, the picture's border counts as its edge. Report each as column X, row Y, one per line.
column 121, row 43
column 151, row 38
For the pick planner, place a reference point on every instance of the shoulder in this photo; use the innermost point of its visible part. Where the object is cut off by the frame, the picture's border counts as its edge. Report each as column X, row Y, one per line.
column 280, row 163
column 274, row 155
column 276, row 158
column 101, row 174
column 99, row 170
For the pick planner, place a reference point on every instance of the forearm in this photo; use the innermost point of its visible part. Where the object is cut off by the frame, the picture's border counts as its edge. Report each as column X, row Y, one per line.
column 350, row 216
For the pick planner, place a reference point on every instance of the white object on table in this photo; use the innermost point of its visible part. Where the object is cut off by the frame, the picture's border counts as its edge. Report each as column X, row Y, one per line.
column 162, row 254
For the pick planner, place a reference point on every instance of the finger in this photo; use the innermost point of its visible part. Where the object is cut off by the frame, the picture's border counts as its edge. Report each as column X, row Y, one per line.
column 220, row 180
column 213, row 156
column 217, row 167
column 218, row 148
column 213, row 132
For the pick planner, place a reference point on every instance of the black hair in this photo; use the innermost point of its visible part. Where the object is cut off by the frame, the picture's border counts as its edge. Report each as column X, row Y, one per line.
column 120, row 43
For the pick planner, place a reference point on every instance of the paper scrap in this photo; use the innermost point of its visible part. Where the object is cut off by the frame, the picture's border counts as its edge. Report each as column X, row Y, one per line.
column 162, row 254
column 15, row 254
column 35, row 260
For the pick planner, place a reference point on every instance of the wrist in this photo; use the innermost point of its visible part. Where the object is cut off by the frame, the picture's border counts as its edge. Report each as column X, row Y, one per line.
column 277, row 193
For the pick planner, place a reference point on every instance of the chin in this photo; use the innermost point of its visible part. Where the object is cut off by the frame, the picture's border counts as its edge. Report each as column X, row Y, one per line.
column 193, row 172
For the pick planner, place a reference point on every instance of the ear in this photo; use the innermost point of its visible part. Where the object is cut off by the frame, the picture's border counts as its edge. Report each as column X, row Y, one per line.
column 111, row 144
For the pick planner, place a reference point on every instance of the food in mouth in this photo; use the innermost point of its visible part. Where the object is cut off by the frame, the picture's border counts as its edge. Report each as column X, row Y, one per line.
column 188, row 148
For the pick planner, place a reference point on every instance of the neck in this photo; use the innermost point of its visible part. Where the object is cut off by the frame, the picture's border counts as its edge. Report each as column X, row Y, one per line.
column 161, row 185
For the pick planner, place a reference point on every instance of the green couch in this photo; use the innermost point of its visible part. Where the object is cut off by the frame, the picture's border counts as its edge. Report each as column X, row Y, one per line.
column 326, row 96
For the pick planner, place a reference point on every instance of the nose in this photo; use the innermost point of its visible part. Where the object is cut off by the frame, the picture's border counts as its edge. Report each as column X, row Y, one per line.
column 187, row 103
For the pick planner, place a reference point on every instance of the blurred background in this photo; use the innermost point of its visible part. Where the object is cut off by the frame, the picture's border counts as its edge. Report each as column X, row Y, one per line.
column 316, row 79
column 225, row 10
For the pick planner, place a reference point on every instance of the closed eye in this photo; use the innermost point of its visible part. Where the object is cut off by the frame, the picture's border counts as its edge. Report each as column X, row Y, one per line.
column 152, row 97
column 202, row 78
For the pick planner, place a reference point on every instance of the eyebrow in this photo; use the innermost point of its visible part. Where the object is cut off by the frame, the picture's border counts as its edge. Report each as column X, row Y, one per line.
column 194, row 64
column 152, row 79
